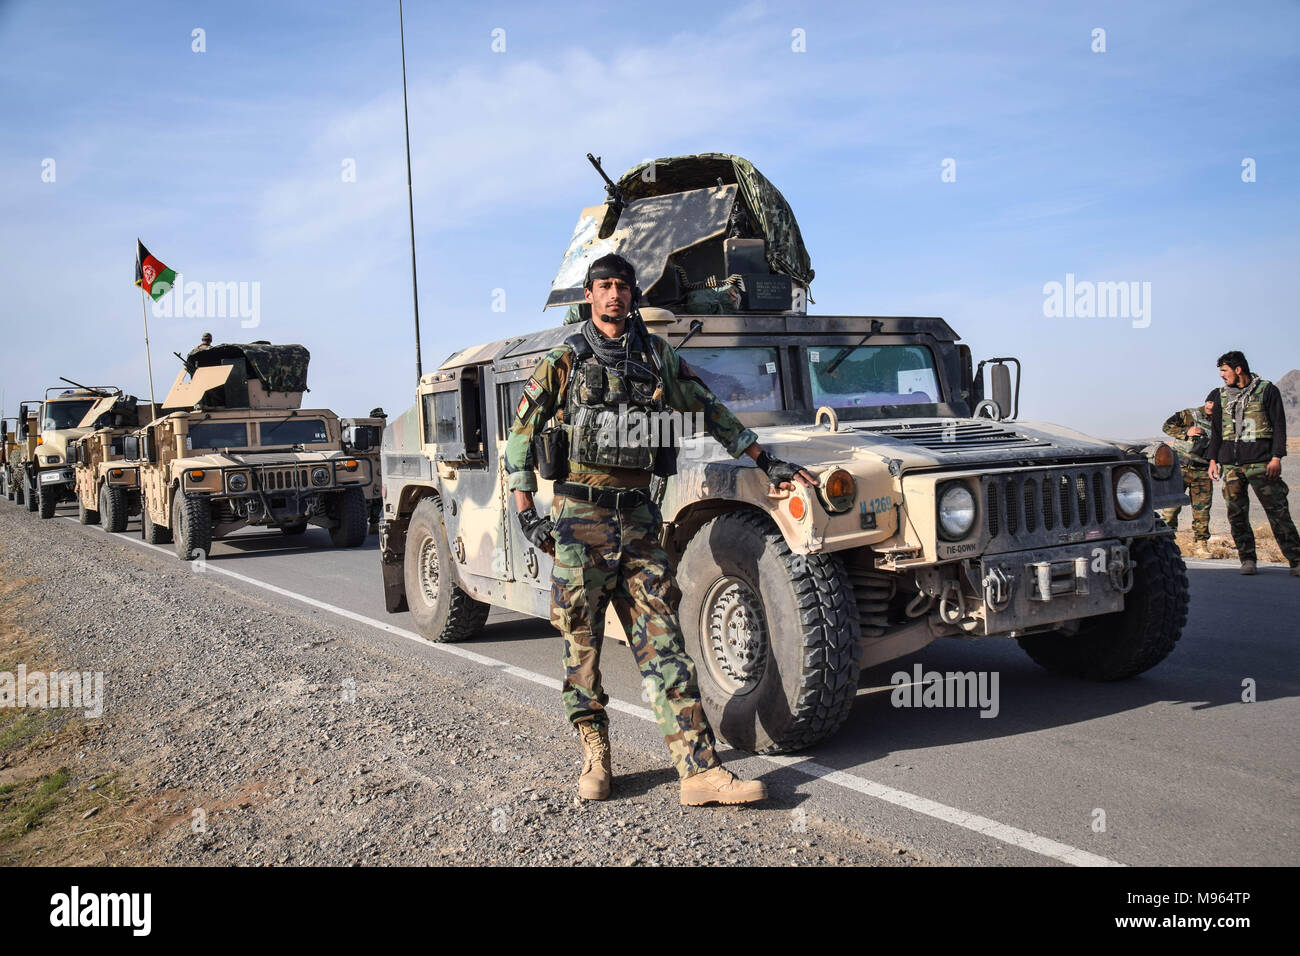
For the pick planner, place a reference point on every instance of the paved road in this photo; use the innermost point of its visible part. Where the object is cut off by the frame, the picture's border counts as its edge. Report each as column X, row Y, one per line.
column 1183, row 770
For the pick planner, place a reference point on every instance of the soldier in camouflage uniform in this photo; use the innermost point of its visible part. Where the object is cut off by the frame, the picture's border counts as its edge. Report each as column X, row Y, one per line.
column 1190, row 431
column 1247, row 445
column 604, row 528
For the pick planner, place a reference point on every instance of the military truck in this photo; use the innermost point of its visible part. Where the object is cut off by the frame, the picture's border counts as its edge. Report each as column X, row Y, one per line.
column 106, row 487
column 938, row 513
column 47, row 477
column 234, row 447
column 20, row 454
column 362, row 437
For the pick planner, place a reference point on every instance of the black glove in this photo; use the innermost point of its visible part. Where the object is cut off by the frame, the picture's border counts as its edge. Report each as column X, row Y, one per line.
column 776, row 469
column 537, row 530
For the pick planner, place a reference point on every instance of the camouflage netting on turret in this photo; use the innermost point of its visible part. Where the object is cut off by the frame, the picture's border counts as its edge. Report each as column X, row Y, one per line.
column 282, row 368
column 770, row 213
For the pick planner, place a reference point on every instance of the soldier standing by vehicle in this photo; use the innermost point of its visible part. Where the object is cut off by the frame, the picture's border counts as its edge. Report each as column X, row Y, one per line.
column 1190, row 430
column 604, row 527
column 1247, row 445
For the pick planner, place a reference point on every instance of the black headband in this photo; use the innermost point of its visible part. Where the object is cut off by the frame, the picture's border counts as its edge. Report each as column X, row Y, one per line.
column 610, row 267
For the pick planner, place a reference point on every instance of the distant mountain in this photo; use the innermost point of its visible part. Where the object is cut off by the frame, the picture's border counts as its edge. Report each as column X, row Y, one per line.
column 1289, row 386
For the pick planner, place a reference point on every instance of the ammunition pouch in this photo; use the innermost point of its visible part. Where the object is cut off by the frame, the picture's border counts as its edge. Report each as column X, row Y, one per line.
column 551, row 453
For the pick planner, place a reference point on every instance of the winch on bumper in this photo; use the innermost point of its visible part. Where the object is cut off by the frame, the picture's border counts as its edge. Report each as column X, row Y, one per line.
column 1016, row 592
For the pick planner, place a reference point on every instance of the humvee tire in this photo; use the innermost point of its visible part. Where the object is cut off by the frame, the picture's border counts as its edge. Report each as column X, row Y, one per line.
column 153, row 533
column 441, row 610
column 795, row 681
column 112, row 508
column 353, row 516
column 47, row 503
column 1128, row 642
column 86, row 515
column 191, row 525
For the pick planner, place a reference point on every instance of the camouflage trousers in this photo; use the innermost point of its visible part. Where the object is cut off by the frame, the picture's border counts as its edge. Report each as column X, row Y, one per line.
column 601, row 555
column 1271, row 493
column 1201, row 490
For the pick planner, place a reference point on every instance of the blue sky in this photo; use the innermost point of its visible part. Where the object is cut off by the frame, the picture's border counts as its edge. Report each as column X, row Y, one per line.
column 1123, row 165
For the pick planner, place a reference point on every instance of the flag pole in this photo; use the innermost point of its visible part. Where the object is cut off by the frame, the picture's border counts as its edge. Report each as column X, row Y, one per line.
column 144, row 314
column 410, row 199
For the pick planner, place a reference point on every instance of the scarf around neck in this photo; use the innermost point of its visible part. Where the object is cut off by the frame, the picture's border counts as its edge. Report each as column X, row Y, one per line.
column 1236, row 404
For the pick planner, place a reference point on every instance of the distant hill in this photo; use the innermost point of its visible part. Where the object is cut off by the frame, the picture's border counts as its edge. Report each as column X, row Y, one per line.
column 1289, row 386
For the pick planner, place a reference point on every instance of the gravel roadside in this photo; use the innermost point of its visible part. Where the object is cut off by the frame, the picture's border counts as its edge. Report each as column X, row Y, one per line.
column 239, row 733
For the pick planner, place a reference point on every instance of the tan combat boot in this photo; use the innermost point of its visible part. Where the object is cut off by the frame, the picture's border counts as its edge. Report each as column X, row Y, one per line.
column 720, row 785
column 1201, row 549
column 596, row 772
column 1248, row 567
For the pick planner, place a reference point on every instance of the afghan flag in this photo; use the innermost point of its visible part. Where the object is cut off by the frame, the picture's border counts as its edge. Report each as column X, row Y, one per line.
column 150, row 274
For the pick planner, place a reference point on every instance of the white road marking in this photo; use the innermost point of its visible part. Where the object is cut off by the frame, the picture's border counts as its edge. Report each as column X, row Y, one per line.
column 1015, row 836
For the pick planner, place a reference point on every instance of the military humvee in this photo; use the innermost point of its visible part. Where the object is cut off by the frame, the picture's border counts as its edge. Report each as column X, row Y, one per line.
column 361, row 437
column 234, row 447
column 938, row 512
column 107, row 488
column 47, row 476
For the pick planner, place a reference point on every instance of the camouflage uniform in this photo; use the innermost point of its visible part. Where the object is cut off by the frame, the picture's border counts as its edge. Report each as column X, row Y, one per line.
column 603, row 554
column 1262, row 436
column 1196, row 473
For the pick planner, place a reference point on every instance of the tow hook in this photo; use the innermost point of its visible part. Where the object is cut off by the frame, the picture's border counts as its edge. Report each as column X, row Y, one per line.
column 998, row 588
column 952, row 607
column 1120, row 567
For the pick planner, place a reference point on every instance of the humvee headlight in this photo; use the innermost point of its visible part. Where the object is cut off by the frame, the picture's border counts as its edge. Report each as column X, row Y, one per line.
column 956, row 511
column 1164, row 457
column 350, row 465
column 1130, row 493
column 115, row 472
column 237, row 482
column 840, row 490
column 197, row 474
column 320, row 476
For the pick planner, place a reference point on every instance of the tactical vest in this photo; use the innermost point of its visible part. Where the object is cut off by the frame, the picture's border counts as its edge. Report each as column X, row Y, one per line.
column 1255, row 420
column 1184, row 445
column 610, row 415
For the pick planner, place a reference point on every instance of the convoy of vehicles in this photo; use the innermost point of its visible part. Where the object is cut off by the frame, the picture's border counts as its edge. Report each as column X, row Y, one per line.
column 938, row 513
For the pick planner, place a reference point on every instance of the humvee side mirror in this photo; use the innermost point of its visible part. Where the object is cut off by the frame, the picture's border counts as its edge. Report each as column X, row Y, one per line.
column 131, row 447
column 1000, row 376
column 363, row 438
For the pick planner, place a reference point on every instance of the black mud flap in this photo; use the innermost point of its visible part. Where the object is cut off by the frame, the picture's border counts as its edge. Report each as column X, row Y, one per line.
column 390, row 565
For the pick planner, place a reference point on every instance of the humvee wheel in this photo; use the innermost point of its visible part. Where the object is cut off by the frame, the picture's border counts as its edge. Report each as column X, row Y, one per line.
column 86, row 515
column 152, row 533
column 191, row 525
column 774, row 635
column 112, row 508
column 350, row 510
column 441, row 610
column 47, row 501
column 1128, row 642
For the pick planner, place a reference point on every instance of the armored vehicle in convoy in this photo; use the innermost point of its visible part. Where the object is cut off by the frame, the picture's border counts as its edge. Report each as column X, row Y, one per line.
column 938, row 514
column 20, row 454
column 47, row 477
column 234, row 447
column 106, row 487
column 361, row 437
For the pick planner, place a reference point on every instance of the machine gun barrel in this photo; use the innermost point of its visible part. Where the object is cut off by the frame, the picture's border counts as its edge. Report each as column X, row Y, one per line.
column 611, row 187
column 93, row 389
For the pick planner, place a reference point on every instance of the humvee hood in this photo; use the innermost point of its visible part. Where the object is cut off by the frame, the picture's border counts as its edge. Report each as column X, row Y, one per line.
column 935, row 443
column 238, row 459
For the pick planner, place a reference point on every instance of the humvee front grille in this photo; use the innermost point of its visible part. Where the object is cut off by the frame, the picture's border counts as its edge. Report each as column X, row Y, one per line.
column 957, row 436
column 1064, row 500
column 280, row 479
